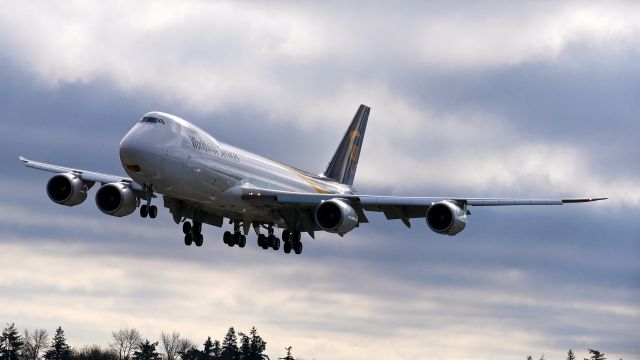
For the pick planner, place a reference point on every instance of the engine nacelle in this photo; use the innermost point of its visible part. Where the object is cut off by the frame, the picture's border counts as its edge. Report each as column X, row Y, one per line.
column 67, row 189
column 446, row 218
column 116, row 199
column 336, row 216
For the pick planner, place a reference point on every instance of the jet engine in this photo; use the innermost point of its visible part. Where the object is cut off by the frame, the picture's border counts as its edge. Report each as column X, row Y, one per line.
column 446, row 218
column 116, row 199
column 67, row 189
column 336, row 216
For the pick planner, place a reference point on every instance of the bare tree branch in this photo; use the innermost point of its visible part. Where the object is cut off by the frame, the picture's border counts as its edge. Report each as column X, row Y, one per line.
column 124, row 341
column 34, row 343
column 171, row 344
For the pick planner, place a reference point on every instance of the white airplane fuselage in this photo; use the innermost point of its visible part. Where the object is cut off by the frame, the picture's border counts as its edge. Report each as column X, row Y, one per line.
column 184, row 162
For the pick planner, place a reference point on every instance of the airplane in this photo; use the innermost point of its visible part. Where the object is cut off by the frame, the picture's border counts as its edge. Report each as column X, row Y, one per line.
column 204, row 181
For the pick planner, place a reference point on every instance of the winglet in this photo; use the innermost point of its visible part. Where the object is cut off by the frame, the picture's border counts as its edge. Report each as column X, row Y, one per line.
column 23, row 159
column 342, row 167
column 573, row 201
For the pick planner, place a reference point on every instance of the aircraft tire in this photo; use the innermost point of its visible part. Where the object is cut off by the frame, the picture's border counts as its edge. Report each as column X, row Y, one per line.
column 286, row 235
column 287, row 247
column 243, row 241
column 188, row 239
column 196, row 228
column 199, row 240
column 153, row 211
column 186, row 227
column 235, row 239
column 260, row 240
column 226, row 237
column 297, row 247
column 144, row 211
column 276, row 244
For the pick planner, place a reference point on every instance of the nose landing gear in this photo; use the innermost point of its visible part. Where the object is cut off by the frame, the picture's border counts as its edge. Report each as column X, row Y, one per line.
column 148, row 209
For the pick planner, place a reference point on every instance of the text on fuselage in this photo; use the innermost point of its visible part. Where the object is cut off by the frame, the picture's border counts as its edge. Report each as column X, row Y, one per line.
column 202, row 145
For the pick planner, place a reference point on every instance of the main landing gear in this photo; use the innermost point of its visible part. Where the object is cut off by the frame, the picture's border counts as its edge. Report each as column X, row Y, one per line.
column 269, row 241
column 290, row 239
column 236, row 238
column 192, row 233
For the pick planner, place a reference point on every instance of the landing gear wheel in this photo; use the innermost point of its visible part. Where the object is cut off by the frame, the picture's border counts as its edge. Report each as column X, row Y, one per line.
column 153, row 211
column 186, row 227
column 234, row 240
column 287, row 247
column 276, row 244
column 199, row 239
column 188, row 239
column 286, row 235
column 226, row 237
column 196, row 228
column 271, row 240
column 266, row 241
column 260, row 240
column 144, row 211
column 243, row 241
column 297, row 247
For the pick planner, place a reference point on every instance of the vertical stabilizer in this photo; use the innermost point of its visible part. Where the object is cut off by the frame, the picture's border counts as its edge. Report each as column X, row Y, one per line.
column 342, row 167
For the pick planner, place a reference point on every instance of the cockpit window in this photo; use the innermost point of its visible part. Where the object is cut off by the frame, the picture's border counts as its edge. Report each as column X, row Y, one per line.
column 153, row 120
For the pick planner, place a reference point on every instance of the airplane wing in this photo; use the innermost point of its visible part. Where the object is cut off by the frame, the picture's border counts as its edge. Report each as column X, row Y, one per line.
column 85, row 175
column 393, row 207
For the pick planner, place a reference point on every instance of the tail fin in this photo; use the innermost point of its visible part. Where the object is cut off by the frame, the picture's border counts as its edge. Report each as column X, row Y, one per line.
column 342, row 167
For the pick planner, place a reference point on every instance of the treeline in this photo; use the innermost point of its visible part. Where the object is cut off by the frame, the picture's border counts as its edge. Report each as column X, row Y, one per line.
column 594, row 355
column 128, row 344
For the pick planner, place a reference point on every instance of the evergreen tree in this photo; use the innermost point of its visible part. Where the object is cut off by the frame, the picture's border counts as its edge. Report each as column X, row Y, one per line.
column 258, row 346
column 59, row 349
column 191, row 354
column 596, row 355
column 216, row 351
column 571, row 355
column 230, row 349
column 245, row 347
column 207, row 350
column 146, row 351
column 10, row 343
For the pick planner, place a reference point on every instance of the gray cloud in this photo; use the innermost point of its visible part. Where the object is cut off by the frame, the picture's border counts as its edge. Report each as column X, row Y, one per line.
column 461, row 114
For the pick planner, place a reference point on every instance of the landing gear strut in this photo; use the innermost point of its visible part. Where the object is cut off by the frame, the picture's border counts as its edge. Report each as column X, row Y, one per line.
column 192, row 233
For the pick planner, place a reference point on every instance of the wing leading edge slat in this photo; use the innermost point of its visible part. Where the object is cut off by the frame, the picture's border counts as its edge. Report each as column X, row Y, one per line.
column 83, row 174
column 393, row 207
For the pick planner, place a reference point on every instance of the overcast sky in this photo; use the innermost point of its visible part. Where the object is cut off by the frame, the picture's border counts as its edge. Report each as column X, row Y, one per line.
column 489, row 99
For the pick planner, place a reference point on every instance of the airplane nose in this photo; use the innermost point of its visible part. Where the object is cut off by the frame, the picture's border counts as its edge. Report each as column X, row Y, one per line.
column 131, row 151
